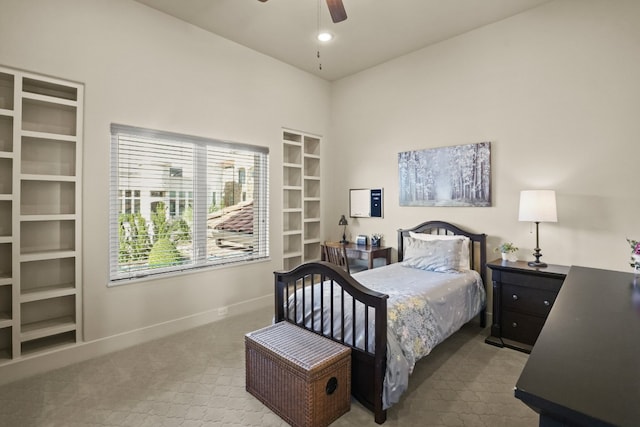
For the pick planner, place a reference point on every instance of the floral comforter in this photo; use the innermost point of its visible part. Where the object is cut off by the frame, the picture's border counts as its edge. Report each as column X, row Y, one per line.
column 424, row 308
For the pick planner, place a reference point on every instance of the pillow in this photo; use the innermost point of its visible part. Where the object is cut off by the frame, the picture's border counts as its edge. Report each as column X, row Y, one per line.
column 442, row 256
column 464, row 254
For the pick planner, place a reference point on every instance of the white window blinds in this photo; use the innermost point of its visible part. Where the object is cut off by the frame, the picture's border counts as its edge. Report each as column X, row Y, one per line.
column 180, row 202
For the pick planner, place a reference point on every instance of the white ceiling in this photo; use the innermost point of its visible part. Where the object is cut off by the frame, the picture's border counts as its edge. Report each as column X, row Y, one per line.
column 374, row 32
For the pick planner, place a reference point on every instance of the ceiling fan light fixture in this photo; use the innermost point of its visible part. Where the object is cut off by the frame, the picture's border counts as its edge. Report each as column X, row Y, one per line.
column 325, row 36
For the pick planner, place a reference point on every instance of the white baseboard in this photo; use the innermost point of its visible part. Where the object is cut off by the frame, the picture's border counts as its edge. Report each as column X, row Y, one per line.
column 27, row 366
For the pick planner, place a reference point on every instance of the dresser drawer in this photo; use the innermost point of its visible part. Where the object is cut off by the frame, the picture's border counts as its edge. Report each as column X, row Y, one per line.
column 527, row 300
column 552, row 284
column 521, row 327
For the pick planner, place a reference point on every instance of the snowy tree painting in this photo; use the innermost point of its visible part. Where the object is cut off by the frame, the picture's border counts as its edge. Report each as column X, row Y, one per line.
column 449, row 176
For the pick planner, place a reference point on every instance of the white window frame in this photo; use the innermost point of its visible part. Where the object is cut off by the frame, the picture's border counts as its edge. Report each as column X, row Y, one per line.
column 200, row 193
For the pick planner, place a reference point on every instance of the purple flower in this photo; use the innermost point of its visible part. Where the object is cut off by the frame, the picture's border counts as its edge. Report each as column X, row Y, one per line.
column 636, row 250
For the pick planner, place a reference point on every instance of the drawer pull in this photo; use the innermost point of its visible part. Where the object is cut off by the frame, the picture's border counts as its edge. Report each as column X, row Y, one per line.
column 547, row 303
column 514, row 297
column 514, row 324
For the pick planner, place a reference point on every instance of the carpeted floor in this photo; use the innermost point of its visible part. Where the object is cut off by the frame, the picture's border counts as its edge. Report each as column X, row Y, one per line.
column 196, row 379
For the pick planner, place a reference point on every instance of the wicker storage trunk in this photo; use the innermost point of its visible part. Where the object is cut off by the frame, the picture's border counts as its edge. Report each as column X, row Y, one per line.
column 301, row 376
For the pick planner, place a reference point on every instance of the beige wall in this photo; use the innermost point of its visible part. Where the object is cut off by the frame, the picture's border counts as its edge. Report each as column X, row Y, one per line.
column 146, row 69
column 556, row 91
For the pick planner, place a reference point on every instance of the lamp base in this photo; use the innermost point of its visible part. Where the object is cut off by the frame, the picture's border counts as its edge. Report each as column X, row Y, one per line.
column 536, row 264
column 344, row 240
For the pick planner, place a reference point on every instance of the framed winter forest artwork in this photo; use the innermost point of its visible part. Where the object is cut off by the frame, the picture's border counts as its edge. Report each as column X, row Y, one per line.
column 459, row 175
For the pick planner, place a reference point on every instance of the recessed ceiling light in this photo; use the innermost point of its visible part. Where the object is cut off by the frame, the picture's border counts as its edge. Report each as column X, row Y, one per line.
column 325, row 37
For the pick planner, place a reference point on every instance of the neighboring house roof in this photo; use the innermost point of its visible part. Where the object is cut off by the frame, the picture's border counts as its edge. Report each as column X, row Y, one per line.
column 238, row 218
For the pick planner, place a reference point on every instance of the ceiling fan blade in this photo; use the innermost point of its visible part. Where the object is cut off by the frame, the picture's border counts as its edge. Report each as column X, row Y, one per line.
column 336, row 9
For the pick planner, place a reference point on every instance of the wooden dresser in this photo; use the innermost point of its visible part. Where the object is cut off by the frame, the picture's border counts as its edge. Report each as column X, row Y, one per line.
column 522, row 299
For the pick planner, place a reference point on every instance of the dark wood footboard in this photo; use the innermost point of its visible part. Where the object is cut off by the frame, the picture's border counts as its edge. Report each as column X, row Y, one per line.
column 369, row 356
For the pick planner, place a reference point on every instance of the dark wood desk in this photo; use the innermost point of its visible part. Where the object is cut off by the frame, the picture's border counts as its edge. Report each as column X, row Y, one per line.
column 367, row 253
column 584, row 369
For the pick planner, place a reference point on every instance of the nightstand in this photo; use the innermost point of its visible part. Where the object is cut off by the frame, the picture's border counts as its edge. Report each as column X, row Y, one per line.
column 522, row 299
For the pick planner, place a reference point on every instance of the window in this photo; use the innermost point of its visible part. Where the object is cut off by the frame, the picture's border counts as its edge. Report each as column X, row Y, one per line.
column 130, row 201
column 181, row 202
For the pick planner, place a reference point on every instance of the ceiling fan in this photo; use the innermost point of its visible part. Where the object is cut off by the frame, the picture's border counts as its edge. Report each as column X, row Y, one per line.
column 336, row 9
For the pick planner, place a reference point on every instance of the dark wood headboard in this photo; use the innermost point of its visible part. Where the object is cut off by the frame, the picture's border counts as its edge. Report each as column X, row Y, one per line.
column 477, row 249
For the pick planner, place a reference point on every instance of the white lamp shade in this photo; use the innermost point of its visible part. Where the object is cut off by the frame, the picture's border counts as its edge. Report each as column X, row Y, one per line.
column 538, row 206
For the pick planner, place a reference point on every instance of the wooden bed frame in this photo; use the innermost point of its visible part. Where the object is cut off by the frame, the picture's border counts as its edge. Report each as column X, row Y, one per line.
column 367, row 368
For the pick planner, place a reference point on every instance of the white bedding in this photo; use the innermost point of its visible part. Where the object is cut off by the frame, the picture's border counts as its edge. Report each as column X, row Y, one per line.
column 424, row 308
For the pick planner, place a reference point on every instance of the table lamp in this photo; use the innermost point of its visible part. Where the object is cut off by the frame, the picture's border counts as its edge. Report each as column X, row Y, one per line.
column 538, row 206
column 344, row 223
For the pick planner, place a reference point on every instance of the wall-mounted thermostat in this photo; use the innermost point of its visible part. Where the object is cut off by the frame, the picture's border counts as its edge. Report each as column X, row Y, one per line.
column 365, row 203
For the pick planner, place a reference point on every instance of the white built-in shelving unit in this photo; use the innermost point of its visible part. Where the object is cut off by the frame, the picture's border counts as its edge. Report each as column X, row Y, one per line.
column 40, row 222
column 301, row 198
